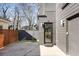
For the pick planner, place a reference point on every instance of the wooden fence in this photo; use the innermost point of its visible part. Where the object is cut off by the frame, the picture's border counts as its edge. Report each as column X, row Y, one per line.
column 8, row 36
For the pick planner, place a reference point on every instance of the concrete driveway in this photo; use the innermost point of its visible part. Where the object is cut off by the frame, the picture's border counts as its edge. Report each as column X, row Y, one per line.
column 21, row 49
column 30, row 49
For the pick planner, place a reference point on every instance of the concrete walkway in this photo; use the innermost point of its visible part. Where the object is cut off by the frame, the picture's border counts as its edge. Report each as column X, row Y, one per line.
column 51, row 51
column 29, row 49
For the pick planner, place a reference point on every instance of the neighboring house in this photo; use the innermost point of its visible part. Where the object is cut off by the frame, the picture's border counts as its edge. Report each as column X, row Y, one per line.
column 25, row 28
column 4, row 24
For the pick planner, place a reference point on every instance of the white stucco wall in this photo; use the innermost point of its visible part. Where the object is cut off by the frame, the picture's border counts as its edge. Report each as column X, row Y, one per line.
column 4, row 24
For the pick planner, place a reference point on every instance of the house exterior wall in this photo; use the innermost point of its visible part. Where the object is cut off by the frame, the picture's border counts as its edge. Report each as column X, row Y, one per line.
column 4, row 25
column 41, row 30
column 73, row 37
column 63, row 14
column 41, row 8
column 48, row 9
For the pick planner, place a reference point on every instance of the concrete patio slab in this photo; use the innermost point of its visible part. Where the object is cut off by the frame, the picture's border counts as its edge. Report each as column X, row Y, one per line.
column 50, row 51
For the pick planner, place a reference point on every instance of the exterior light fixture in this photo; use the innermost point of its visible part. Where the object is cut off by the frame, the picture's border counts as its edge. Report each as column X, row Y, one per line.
column 62, row 23
column 42, row 25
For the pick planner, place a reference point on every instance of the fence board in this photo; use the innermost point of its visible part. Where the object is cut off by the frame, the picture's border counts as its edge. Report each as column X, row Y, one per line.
column 8, row 36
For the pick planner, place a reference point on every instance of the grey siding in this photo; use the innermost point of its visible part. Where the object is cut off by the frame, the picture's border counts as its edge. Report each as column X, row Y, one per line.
column 70, row 10
column 73, row 37
column 48, row 9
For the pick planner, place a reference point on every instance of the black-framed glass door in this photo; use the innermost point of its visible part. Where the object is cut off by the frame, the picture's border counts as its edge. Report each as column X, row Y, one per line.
column 48, row 36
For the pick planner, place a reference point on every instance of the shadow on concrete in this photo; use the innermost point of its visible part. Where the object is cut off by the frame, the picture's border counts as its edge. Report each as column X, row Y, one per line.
column 23, row 35
column 21, row 49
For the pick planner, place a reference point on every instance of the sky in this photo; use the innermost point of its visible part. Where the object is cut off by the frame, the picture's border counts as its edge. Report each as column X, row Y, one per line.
column 10, row 12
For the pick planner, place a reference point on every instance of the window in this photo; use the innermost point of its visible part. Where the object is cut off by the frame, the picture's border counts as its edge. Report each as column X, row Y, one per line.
column 1, row 27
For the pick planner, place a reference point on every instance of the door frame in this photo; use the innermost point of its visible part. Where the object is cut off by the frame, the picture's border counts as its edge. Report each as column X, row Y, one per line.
column 67, row 40
column 51, row 32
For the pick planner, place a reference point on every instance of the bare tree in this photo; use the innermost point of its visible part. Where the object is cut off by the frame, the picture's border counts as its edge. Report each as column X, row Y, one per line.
column 4, row 8
column 17, row 17
column 28, row 13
